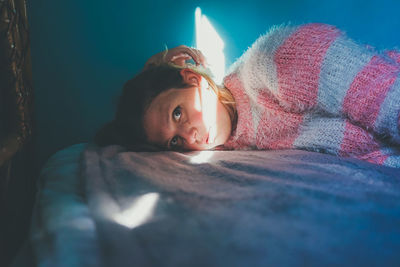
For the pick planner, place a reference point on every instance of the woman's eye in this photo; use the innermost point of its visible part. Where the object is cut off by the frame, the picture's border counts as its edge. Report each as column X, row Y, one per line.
column 174, row 141
column 177, row 113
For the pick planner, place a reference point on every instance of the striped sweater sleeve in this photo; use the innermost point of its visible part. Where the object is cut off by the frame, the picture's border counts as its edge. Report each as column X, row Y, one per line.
column 316, row 67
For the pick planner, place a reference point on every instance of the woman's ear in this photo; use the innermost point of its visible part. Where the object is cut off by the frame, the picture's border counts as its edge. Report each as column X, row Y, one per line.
column 191, row 77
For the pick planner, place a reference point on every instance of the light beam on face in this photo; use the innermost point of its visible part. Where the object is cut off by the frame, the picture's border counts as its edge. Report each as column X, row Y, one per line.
column 211, row 44
column 209, row 110
column 206, row 103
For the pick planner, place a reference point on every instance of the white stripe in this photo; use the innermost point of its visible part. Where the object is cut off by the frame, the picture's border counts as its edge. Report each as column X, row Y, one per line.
column 393, row 159
column 257, row 69
column 343, row 60
column 387, row 121
column 321, row 134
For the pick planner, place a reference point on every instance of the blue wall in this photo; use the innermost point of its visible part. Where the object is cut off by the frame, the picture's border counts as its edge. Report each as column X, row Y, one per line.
column 84, row 50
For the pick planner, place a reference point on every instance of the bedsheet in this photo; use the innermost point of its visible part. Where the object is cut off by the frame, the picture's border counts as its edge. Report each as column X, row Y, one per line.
column 110, row 207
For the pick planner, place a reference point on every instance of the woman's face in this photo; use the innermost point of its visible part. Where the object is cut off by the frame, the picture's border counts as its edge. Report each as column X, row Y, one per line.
column 187, row 118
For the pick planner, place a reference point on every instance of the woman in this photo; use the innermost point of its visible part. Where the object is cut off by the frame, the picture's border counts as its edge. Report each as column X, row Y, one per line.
column 146, row 93
column 307, row 87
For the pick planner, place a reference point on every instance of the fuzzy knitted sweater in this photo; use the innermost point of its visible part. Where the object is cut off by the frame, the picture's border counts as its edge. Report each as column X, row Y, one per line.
column 310, row 87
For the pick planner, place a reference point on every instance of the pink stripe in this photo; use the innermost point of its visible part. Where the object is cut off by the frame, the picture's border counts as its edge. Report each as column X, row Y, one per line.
column 277, row 129
column 395, row 55
column 376, row 157
column 358, row 143
column 244, row 135
column 368, row 90
column 298, row 61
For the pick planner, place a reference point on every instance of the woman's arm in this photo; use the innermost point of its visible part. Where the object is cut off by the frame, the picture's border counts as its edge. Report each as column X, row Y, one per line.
column 315, row 67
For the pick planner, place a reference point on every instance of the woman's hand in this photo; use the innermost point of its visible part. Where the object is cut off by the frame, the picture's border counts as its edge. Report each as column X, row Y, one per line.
column 178, row 55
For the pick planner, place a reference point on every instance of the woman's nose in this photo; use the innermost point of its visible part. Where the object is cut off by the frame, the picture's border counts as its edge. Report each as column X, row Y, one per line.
column 189, row 133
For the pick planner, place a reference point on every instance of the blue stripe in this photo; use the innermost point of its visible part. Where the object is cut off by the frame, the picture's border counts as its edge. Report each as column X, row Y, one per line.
column 387, row 121
column 393, row 159
column 343, row 60
column 321, row 134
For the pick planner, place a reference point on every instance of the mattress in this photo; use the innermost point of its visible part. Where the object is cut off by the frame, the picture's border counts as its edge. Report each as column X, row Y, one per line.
column 111, row 207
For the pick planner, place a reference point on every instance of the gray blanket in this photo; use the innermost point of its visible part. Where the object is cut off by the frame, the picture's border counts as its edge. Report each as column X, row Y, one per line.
column 223, row 208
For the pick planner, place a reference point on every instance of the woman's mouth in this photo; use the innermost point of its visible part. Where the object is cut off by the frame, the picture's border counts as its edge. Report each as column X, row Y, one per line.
column 210, row 136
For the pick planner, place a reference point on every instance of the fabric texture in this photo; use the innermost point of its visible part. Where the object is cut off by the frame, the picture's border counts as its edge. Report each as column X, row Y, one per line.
column 311, row 87
column 111, row 207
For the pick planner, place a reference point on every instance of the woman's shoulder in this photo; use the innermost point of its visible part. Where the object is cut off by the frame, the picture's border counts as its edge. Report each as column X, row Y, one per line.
column 279, row 33
column 261, row 53
column 265, row 44
column 276, row 35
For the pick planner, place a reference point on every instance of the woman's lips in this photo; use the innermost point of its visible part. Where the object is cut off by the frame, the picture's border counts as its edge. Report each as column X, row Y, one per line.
column 211, row 136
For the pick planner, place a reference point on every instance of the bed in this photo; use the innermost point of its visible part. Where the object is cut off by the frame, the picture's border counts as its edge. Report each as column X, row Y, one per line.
column 111, row 207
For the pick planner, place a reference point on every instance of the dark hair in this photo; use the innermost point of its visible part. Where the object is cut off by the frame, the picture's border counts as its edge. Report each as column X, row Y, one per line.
column 127, row 127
